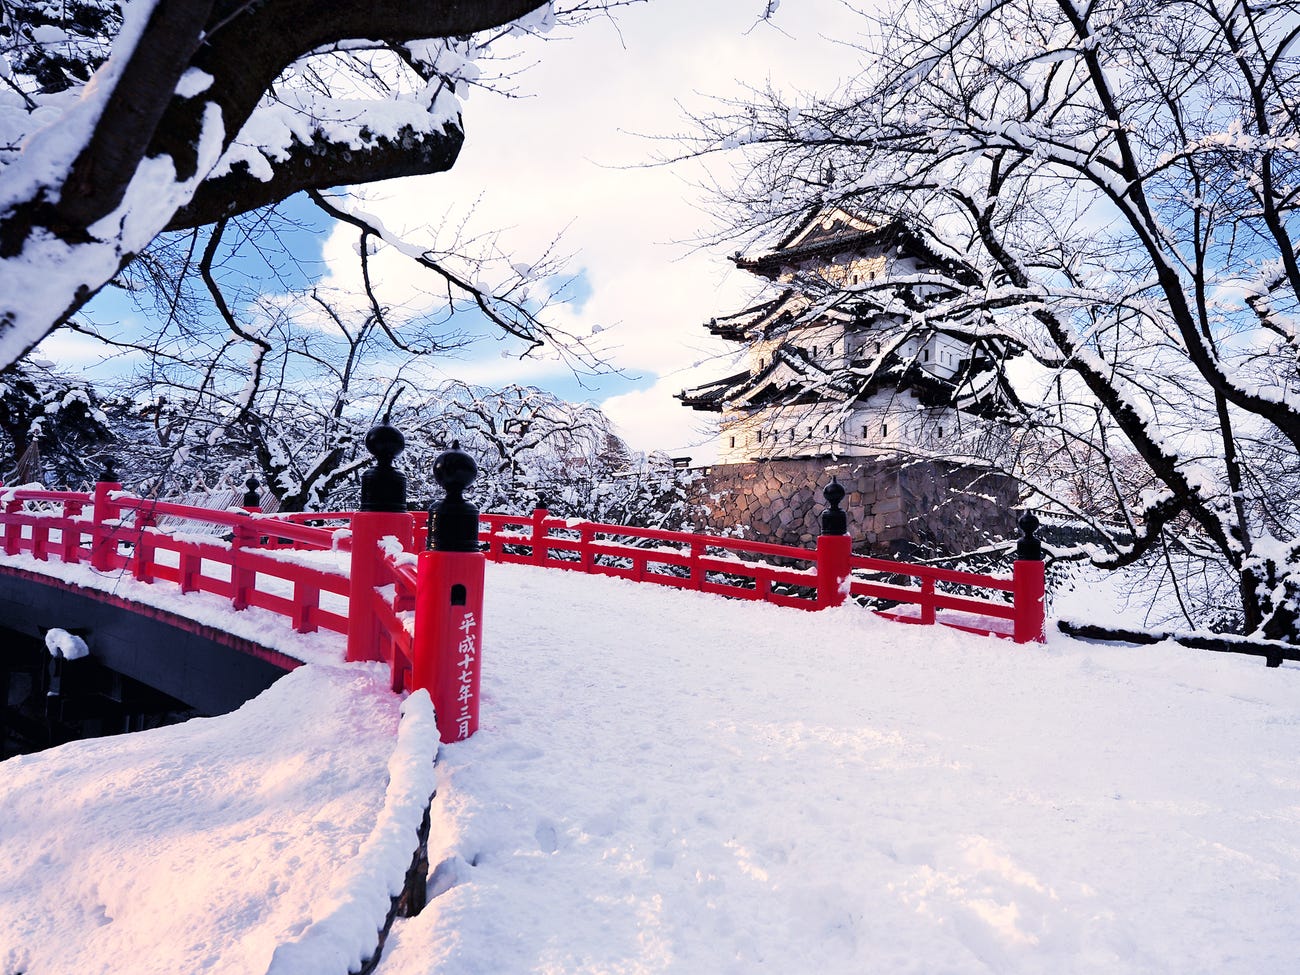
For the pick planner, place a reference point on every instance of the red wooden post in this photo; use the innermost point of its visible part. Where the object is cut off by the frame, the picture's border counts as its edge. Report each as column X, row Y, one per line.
column 306, row 600
column 697, row 568
column 243, row 580
column 144, row 546
column 71, row 548
column 927, row 600
column 40, row 539
column 447, row 650
column 382, row 513
column 834, row 559
column 1029, row 578
column 369, row 571
column 834, row 550
column 188, row 571
column 13, row 527
column 540, row 514
column 104, row 536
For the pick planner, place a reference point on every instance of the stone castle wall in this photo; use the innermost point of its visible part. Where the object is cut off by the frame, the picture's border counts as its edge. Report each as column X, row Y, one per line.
column 893, row 506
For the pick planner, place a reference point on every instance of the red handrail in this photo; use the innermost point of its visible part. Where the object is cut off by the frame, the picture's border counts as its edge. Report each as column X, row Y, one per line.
column 808, row 579
column 113, row 530
column 823, row 577
column 121, row 533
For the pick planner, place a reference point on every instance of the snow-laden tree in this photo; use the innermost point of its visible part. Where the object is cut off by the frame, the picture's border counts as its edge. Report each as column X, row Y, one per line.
column 1114, row 188
column 530, row 445
column 59, row 415
column 122, row 120
column 291, row 408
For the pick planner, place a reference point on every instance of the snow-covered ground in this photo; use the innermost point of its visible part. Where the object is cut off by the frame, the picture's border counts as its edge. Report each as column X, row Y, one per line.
column 208, row 846
column 672, row 782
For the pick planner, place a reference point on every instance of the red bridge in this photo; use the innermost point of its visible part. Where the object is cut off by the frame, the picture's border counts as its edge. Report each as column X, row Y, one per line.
column 362, row 575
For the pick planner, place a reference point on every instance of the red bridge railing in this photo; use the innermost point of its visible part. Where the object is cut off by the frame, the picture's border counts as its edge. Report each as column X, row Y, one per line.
column 786, row 575
column 782, row 574
column 421, row 612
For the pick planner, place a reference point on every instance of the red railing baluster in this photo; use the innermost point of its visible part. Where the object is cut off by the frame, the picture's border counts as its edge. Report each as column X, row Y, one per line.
column 71, row 528
column 144, row 545
column 103, row 552
column 834, row 566
column 539, row 535
column 243, row 580
column 13, row 526
column 306, row 600
column 1031, row 590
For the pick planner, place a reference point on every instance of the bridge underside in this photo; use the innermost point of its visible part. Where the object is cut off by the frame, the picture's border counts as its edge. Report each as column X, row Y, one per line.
column 211, row 671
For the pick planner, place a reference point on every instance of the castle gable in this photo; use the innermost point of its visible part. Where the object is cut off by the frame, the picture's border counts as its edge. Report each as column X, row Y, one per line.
column 826, row 227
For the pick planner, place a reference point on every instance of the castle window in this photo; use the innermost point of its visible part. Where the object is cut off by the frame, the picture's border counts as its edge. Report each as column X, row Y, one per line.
column 733, row 441
column 941, row 433
column 927, row 355
column 884, row 429
column 760, row 436
column 864, row 432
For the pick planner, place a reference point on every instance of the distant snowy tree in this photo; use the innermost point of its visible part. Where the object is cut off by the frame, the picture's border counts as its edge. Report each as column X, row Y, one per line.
column 295, row 417
column 527, row 442
column 122, row 120
column 1117, row 184
column 62, row 416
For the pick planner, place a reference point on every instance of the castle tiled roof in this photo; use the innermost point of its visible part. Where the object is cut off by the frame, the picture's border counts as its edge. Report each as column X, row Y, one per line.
column 848, row 232
column 793, row 376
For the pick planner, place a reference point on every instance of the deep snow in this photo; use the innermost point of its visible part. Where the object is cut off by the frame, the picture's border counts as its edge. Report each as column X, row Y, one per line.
column 672, row 782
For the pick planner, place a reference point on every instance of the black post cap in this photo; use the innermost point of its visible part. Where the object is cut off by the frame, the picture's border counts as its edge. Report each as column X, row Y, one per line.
column 383, row 488
column 834, row 521
column 252, row 497
column 1029, row 547
column 455, row 520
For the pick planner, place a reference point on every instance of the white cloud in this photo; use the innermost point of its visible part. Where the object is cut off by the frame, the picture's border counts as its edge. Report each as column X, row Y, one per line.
column 651, row 419
column 69, row 351
column 569, row 157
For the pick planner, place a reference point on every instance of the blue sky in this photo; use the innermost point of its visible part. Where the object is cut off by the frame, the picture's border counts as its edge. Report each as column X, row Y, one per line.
column 570, row 157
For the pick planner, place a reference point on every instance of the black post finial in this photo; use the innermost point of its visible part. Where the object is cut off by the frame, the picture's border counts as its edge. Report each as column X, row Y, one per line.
column 383, row 488
column 252, row 497
column 455, row 522
column 1029, row 547
column 109, row 476
column 834, row 521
